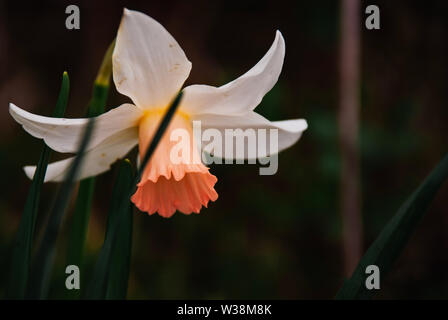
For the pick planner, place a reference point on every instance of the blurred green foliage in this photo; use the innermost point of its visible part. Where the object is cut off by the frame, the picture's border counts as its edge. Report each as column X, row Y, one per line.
column 266, row 236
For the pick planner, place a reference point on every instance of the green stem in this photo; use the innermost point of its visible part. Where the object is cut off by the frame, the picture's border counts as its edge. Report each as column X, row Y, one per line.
column 83, row 205
column 21, row 255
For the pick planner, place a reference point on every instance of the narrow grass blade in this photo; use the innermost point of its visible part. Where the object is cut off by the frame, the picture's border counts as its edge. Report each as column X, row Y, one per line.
column 80, row 222
column 101, row 84
column 41, row 272
column 98, row 281
column 118, row 275
column 391, row 241
column 86, row 188
column 21, row 254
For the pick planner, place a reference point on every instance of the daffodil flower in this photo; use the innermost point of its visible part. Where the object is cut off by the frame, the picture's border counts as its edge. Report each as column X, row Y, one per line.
column 150, row 68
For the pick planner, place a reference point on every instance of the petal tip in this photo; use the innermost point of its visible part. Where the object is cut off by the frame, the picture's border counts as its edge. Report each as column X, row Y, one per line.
column 304, row 124
column 126, row 11
column 29, row 171
column 278, row 34
column 280, row 40
column 13, row 108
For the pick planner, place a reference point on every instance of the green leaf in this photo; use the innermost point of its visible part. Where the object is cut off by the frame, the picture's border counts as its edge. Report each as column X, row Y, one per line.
column 118, row 275
column 393, row 238
column 80, row 222
column 86, row 188
column 98, row 282
column 21, row 254
column 101, row 84
column 41, row 271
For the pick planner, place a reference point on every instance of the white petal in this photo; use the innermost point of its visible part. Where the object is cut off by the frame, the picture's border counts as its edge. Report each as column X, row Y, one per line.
column 149, row 66
column 95, row 161
column 289, row 131
column 64, row 135
column 243, row 94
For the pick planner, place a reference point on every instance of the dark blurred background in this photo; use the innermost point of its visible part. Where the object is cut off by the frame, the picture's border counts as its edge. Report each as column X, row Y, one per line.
column 266, row 236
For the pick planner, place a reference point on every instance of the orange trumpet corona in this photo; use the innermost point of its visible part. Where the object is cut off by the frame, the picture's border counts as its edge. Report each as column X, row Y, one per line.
column 167, row 186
